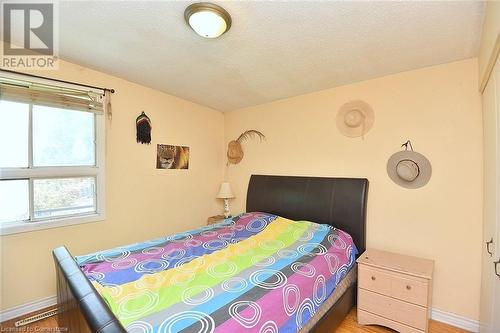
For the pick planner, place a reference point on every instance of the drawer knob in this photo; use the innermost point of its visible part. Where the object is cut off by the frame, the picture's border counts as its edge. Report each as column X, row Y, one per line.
column 373, row 278
column 408, row 287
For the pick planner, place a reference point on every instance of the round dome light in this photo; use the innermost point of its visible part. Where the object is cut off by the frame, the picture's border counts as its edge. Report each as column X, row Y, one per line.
column 207, row 20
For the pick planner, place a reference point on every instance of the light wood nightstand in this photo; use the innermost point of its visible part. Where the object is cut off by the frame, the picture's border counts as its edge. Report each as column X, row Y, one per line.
column 215, row 219
column 394, row 290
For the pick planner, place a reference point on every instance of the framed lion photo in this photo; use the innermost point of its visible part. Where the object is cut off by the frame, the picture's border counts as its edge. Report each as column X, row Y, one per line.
column 172, row 157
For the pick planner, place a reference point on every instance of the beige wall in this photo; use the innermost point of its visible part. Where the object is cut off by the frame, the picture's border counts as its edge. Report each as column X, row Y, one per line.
column 489, row 38
column 439, row 109
column 142, row 202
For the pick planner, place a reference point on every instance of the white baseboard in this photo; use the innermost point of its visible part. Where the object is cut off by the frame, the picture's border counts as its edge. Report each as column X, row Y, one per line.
column 438, row 315
column 26, row 308
column 455, row 320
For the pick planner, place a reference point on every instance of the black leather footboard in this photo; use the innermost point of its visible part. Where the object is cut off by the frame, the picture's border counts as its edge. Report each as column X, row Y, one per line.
column 81, row 308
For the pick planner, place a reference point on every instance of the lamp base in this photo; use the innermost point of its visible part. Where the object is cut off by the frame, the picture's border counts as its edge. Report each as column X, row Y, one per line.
column 227, row 212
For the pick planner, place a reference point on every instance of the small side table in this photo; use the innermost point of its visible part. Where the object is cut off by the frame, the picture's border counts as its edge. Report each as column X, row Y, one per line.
column 394, row 290
column 215, row 219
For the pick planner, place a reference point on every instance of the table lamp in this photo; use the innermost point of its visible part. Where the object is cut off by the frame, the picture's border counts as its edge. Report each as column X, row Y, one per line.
column 226, row 194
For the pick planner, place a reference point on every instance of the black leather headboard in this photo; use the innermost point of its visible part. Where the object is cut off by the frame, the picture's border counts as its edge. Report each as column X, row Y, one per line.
column 340, row 202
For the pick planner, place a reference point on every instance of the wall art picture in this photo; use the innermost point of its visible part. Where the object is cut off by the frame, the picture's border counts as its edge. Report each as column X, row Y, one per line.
column 172, row 157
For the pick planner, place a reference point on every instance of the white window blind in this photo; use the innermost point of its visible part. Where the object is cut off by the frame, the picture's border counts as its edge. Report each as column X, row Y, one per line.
column 49, row 95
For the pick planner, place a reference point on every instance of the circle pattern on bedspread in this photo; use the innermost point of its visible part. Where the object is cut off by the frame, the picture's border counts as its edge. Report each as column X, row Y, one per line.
column 252, row 310
column 143, row 301
column 174, row 254
column 332, row 261
column 234, row 284
column 223, row 269
column 341, row 272
column 263, row 260
column 312, row 249
column 271, row 245
column 193, row 243
column 97, row 276
column 256, row 225
column 319, row 290
column 194, row 264
column 303, row 269
column 182, row 279
column 209, row 233
column 150, row 281
column 226, row 236
column 237, row 240
column 306, row 306
column 115, row 290
column 206, row 323
column 151, row 266
column 215, row 244
column 337, row 242
column 139, row 327
column 153, row 250
column 291, row 298
column 111, row 256
column 182, row 237
column 124, row 263
column 269, row 327
column 237, row 227
column 303, row 236
column 288, row 254
column 268, row 278
column 197, row 295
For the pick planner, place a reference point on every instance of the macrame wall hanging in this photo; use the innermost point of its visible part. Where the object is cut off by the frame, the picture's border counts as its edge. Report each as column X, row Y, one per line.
column 234, row 149
column 143, row 125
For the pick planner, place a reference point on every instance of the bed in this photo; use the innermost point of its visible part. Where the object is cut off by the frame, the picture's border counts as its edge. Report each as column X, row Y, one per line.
column 282, row 205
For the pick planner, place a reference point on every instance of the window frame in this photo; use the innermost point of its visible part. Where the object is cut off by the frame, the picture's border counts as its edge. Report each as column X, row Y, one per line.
column 53, row 172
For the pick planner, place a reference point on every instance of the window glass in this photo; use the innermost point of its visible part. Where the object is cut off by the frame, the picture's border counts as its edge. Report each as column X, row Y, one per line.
column 62, row 137
column 14, row 123
column 14, row 200
column 63, row 196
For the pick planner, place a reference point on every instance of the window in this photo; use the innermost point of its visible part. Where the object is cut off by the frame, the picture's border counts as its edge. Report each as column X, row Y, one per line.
column 51, row 157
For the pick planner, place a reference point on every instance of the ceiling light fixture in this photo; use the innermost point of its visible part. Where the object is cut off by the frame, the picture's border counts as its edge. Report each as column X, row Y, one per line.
column 207, row 19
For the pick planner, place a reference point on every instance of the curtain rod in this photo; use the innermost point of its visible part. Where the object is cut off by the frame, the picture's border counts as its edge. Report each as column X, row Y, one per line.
column 57, row 80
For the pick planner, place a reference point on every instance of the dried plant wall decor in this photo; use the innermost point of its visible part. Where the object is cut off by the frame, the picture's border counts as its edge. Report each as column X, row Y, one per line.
column 234, row 149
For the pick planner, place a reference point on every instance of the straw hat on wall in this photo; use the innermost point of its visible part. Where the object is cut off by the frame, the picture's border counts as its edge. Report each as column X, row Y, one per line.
column 409, row 169
column 234, row 149
column 355, row 118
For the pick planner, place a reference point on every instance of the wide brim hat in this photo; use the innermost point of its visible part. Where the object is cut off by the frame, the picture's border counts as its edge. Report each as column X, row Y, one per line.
column 234, row 152
column 355, row 118
column 409, row 169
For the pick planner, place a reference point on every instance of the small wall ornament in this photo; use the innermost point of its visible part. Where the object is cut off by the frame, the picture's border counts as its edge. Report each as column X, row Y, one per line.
column 408, row 168
column 234, row 149
column 143, row 126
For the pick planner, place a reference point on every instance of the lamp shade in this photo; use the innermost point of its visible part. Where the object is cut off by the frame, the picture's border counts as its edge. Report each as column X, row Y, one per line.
column 225, row 191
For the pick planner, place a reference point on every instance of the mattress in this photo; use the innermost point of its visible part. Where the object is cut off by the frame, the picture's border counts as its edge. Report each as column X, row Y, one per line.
column 255, row 272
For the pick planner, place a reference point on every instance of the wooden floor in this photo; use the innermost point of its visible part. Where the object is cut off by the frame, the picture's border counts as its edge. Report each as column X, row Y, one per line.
column 349, row 325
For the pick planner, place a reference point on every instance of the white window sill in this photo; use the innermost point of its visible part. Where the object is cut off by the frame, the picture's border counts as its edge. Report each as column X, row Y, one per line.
column 10, row 228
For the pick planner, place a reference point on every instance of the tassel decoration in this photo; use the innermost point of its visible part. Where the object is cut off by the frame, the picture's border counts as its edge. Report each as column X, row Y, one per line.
column 143, row 125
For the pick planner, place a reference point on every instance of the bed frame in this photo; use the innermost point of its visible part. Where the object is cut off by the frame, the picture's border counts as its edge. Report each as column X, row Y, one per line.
column 340, row 202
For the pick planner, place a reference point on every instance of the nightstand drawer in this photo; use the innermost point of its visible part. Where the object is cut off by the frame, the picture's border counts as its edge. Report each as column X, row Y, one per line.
column 400, row 286
column 367, row 318
column 410, row 290
column 402, row 312
column 374, row 280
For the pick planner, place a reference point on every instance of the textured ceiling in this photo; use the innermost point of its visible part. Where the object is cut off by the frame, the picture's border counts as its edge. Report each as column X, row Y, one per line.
column 274, row 50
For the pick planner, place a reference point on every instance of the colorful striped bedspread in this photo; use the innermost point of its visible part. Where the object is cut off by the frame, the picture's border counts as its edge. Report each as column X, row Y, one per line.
column 255, row 272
